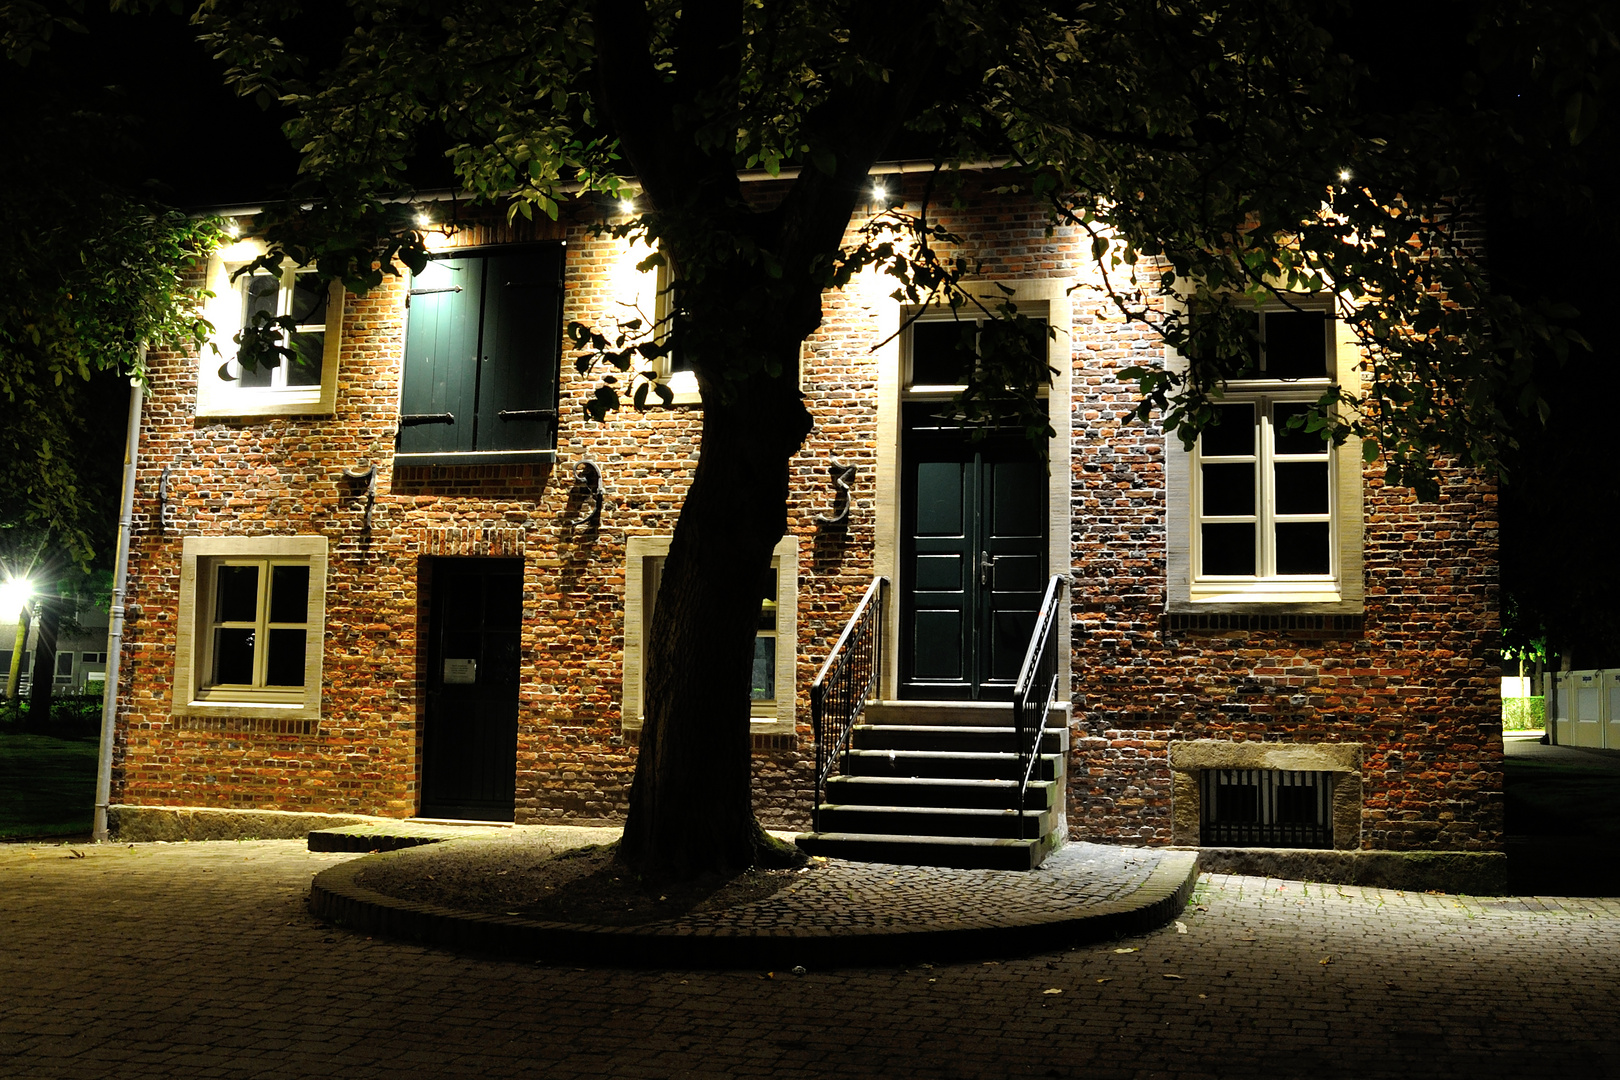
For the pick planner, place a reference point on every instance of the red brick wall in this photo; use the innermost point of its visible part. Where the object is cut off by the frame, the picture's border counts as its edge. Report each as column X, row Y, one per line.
column 1414, row 682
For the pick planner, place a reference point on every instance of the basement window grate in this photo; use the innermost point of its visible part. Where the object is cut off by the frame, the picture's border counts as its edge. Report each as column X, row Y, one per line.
column 1266, row 808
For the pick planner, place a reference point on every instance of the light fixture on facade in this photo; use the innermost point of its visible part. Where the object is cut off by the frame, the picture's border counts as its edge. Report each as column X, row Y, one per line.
column 1344, row 174
column 233, row 229
column 880, row 193
column 423, row 219
column 627, row 206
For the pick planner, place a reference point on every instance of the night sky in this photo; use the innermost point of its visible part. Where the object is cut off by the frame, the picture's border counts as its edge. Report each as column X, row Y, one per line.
column 191, row 142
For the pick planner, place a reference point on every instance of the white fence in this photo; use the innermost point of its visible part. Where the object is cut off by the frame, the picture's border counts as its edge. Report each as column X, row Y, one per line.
column 1587, row 712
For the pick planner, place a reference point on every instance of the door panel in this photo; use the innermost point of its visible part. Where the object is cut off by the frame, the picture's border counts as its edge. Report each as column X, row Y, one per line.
column 1013, row 531
column 469, row 744
column 973, row 561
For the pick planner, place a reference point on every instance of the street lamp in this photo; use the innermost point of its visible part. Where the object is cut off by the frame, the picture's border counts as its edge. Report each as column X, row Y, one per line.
column 15, row 593
column 14, row 596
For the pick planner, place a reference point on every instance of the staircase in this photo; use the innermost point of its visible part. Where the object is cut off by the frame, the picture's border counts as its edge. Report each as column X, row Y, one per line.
column 932, row 783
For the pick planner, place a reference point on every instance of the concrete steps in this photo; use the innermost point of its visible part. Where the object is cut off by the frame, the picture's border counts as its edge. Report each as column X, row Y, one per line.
column 933, row 784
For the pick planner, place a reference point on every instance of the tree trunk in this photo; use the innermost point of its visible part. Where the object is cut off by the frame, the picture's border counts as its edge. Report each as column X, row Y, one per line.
column 39, row 697
column 14, row 676
column 691, row 809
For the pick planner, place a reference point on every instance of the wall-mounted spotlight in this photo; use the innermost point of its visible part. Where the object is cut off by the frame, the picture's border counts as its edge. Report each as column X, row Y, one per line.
column 880, row 193
column 627, row 206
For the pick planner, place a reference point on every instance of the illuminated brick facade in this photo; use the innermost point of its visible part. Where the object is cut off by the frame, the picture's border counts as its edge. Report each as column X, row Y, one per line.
column 1408, row 679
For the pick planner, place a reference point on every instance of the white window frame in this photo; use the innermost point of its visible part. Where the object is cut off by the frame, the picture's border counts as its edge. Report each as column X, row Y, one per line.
column 646, row 294
column 193, row 696
column 777, row 717
column 217, row 397
column 1338, row 592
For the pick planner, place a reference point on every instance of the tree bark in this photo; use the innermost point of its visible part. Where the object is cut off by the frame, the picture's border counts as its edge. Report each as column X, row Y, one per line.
column 691, row 808
column 743, row 320
column 44, row 684
column 14, row 676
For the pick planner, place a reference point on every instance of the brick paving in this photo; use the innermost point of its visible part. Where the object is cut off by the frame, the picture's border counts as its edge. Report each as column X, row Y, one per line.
column 200, row 960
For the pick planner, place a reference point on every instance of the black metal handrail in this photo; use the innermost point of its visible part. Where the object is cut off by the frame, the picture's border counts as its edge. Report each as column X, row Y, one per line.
column 1036, row 688
column 845, row 683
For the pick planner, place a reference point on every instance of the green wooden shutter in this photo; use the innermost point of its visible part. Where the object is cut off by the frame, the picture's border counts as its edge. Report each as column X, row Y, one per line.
column 522, row 347
column 440, row 381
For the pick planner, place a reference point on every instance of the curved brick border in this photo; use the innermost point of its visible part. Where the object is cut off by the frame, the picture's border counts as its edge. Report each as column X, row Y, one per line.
column 337, row 897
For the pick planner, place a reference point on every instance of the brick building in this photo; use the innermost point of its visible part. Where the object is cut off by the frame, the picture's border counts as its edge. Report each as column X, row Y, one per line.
column 335, row 566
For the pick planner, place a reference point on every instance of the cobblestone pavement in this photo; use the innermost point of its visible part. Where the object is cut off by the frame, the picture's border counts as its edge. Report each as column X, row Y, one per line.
column 199, row 960
column 845, row 895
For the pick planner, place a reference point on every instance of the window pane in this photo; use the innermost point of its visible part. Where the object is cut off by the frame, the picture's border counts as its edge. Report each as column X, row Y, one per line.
column 259, row 293
column 1233, row 435
column 1289, row 441
column 285, row 664
column 941, row 352
column 1229, row 550
column 767, row 607
column 236, row 594
column 1302, row 487
column 308, row 300
column 64, row 663
column 1302, row 548
column 1021, row 345
column 233, row 656
column 1244, row 342
column 289, row 594
column 256, row 378
column 1296, row 345
column 1228, row 490
column 304, row 367
column 764, row 684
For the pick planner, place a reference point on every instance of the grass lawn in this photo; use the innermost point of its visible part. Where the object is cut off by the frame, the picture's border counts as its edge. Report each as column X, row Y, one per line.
column 47, row 786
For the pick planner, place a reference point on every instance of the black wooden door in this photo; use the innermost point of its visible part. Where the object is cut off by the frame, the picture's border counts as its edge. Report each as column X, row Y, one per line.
column 469, row 743
column 973, row 559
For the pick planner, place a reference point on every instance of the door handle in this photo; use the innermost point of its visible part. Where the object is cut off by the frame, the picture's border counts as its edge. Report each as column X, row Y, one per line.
column 986, row 566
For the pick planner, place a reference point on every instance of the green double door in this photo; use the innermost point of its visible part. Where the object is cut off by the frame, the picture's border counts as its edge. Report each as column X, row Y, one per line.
column 973, row 559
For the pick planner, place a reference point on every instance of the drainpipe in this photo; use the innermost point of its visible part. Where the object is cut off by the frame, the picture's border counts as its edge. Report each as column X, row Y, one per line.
column 115, row 632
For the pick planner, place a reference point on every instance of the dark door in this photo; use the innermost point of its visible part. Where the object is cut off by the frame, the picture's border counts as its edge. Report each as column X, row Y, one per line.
column 469, row 743
column 973, row 559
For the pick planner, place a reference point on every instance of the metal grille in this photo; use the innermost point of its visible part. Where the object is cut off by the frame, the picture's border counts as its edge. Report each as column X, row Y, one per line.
column 1266, row 808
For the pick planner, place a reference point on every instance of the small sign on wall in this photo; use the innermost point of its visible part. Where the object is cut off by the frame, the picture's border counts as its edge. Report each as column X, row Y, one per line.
column 462, row 672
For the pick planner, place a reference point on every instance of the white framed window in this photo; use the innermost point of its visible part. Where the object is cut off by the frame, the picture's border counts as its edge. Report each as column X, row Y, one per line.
column 303, row 384
column 1262, row 495
column 1263, row 512
column 250, row 633
column 648, row 296
column 773, row 688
